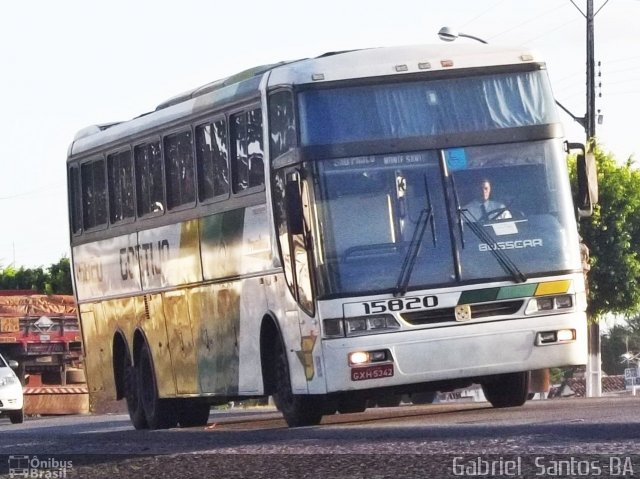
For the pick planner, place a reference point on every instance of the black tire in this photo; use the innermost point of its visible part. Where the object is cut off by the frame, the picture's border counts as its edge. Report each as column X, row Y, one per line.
column 16, row 417
column 298, row 410
column 132, row 395
column 159, row 413
column 507, row 390
column 193, row 412
column 424, row 397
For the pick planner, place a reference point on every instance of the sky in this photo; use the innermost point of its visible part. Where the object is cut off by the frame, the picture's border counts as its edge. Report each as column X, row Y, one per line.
column 72, row 63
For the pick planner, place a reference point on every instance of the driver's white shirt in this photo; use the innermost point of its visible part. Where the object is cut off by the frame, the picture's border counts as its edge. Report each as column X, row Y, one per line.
column 475, row 209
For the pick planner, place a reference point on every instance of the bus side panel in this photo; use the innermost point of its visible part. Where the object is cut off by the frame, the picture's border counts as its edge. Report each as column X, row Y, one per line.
column 215, row 317
column 181, row 344
column 106, row 267
column 155, row 330
column 106, row 315
column 127, row 320
column 221, row 243
column 92, row 345
column 169, row 255
column 236, row 242
column 253, row 305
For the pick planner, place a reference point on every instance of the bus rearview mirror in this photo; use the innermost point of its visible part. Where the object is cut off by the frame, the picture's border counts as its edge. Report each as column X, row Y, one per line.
column 587, row 174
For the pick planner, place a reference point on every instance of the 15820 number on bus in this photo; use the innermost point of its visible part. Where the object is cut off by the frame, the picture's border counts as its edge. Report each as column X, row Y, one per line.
column 399, row 304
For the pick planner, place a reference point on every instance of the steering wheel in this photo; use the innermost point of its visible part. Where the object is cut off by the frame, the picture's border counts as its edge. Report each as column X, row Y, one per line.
column 493, row 214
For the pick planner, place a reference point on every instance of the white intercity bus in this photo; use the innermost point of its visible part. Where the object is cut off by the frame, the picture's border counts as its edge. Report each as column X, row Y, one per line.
column 307, row 230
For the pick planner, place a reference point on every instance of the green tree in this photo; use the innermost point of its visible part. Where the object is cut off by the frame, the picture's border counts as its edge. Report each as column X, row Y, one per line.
column 616, row 342
column 55, row 280
column 60, row 278
column 613, row 237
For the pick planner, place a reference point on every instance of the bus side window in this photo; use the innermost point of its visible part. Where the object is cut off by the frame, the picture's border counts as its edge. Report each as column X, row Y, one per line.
column 120, row 178
column 178, row 157
column 282, row 130
column 212, row 160
column 149, row 184
column 75, row 199
column 94, row 194
column 247, row 164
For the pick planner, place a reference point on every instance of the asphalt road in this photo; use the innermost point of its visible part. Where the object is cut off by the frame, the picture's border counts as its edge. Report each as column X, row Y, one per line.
column 550, row 438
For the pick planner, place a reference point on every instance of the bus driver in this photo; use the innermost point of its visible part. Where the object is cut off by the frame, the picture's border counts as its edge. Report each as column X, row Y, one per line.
column 483, row 208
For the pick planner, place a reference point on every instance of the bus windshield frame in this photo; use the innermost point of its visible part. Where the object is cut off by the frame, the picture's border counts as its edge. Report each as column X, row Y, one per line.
column 370, row 205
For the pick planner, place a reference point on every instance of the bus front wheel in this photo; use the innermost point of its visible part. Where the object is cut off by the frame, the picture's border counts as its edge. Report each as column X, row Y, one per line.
column 159, row 413
column 298, row 410
column 507, row 390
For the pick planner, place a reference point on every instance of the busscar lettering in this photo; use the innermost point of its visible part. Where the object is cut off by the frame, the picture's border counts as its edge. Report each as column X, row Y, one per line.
column 516, row 244
column 151, row 257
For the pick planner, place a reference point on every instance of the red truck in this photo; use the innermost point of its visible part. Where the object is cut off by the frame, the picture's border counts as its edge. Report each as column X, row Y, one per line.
column 41, row 333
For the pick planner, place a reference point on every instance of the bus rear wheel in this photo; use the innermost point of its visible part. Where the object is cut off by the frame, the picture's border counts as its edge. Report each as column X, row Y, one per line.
column 507, row 390
column 159, row 413
column 298, row 410
column 132, row 395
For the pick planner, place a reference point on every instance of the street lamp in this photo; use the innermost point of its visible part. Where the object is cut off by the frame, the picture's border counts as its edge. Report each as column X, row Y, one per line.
column 448, row 34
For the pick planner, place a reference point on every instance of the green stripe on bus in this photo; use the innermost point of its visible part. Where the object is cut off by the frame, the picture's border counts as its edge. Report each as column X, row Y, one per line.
column 478, row 295
column 493, row 294
column 518, row 291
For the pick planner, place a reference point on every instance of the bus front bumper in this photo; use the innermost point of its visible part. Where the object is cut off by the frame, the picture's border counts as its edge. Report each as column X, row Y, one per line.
column 460, row 351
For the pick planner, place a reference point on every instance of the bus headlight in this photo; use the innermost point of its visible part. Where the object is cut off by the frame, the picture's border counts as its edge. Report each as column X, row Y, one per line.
column 549, row 303
column 339, row 328
column 365, row 357
column 555, row 337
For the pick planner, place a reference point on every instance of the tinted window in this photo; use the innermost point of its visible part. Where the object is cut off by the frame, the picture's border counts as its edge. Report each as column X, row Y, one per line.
column 282, row 131
column 120, row 176
column 211, row 153
column 149, row 187
column 435, row 107
column 178, row 157
column 94, row 194
column 247, row 164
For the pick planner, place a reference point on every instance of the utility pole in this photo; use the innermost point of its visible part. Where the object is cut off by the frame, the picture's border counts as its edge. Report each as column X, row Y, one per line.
column 593, row 379
column 590, row 123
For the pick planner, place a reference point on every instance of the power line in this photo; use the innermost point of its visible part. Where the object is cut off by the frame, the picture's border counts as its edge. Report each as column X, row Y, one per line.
column 545, row 33
column 528, row 21
column 40, row 190
column 482, row 13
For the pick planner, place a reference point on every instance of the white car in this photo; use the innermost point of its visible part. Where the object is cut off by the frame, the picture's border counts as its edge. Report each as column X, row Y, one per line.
column 11, row 398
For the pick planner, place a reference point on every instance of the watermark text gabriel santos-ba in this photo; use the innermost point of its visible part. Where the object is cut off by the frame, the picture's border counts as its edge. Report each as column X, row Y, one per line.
column 565, row 466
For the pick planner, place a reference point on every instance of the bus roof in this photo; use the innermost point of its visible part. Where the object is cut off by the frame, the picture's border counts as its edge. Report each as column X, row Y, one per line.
column 333, row 66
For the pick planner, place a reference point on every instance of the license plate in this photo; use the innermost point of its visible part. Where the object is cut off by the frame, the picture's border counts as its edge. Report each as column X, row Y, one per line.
column 377, row 371
column 45, row 337
column 9, row 325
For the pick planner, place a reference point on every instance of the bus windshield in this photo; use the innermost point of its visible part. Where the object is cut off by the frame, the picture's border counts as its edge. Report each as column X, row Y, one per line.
column 369, row 208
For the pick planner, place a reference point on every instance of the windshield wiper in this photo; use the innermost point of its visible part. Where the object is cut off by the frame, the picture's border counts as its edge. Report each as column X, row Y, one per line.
column 409, row 262
column 501, row 257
